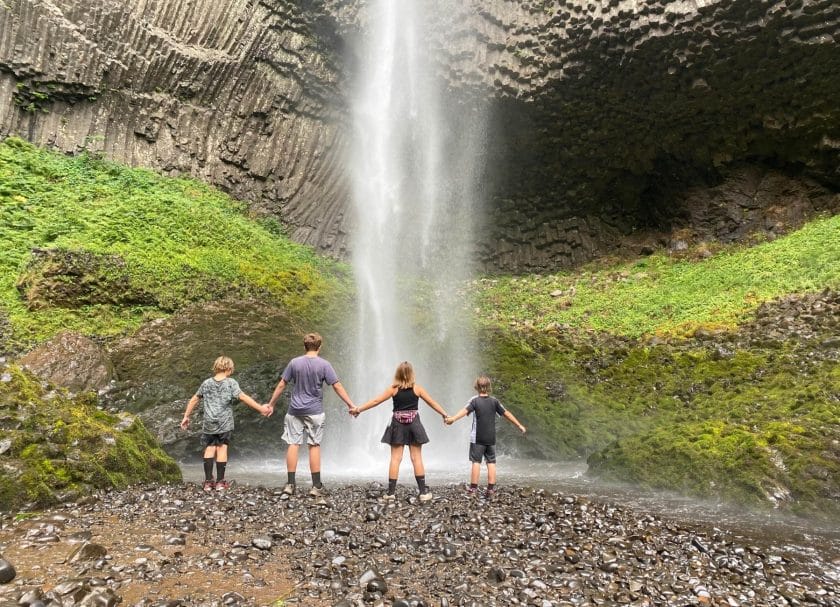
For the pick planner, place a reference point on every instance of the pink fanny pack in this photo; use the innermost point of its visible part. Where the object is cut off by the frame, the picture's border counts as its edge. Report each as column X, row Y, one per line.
column 405, row 417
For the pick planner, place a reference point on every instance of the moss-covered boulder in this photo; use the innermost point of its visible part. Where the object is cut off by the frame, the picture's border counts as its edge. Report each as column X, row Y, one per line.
column 57, row 447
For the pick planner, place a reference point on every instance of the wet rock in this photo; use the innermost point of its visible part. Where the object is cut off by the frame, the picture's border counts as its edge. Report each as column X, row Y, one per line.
column 87, row 552
column 262, row 542
column 7, row 571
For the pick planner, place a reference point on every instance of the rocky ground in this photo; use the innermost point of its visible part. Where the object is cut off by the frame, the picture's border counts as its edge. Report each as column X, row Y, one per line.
column 176, row 545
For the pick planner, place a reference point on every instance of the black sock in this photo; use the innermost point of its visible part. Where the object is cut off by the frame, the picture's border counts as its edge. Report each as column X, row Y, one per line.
column 291, row 476
column 473, row 485
column 421, row 483
column 220, row 470
column 491, row 486
column 392, row 486
column 208, row 468
column 316, row 479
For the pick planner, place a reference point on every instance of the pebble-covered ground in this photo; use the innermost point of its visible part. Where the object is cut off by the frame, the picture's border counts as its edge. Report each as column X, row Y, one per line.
column 176, row 545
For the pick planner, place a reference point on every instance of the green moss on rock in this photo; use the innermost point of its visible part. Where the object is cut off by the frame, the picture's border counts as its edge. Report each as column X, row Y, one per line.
column 61, row 446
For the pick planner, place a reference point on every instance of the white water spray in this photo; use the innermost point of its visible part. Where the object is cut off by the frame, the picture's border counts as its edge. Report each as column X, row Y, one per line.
column 415, row 161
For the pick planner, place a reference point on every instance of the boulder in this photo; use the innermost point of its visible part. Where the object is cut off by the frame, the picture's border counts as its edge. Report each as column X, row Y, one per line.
column 72, row 361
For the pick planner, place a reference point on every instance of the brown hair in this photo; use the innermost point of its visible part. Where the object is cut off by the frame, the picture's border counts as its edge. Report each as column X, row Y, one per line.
column 404, row 375
column 482, row 384
column 222, row 365
column 312, row 342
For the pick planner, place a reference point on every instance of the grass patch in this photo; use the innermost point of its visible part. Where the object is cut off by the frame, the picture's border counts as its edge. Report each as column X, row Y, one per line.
column 181, row 240
column 660, row 295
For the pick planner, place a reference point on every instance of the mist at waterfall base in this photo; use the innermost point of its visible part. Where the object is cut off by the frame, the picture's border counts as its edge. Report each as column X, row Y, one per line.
column 416, row 162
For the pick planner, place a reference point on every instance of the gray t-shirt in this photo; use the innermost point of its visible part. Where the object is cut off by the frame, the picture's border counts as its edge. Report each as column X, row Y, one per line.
column 486, row 409
column 308, row 373
column 218, row 398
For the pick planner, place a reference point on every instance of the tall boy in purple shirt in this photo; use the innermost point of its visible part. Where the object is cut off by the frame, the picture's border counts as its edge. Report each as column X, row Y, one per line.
column 305, row 418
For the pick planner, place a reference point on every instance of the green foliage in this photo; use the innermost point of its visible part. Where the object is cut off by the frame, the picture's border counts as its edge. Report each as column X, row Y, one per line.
column 63, row 445
column 181, row 240
column 682, row 417
column 666, row 296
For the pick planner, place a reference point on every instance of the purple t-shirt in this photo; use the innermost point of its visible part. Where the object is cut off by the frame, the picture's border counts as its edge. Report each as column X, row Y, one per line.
column 308, row 374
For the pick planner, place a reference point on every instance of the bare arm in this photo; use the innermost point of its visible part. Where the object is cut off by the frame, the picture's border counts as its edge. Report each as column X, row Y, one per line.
column 419, row 391
column 378, row 400
column 451, row 420
column 190, row 406
column 342, row 394
column 281, row 385
column 510, row 417
column 263, row 409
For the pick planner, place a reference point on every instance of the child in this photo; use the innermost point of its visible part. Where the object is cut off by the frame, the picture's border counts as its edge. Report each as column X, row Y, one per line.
column 483, row 435
column 305, row 417
column 218, row 394
column 405, row 427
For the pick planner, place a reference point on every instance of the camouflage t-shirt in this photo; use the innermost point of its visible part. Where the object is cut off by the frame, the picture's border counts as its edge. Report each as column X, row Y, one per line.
column 218, row 398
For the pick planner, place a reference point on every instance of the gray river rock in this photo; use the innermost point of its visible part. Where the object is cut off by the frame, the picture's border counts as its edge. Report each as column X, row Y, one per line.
column 526, row 546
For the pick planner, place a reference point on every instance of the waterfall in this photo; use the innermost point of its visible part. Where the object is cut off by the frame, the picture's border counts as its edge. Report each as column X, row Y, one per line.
column 415, row 164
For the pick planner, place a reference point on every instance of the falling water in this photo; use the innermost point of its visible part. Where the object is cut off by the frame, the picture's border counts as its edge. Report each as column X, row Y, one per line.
column 415, row 162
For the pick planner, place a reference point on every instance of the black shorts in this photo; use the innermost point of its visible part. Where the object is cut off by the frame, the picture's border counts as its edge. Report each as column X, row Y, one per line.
column 477, row 452
column 215, row 440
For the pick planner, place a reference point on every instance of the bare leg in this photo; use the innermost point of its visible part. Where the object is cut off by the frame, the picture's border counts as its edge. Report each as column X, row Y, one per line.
column 475, row 472
column 222, row 453
column 396, row 459
column 416, row 453
column 292, row 458
column 210, row 451
column 491, row 474
column 314, row 458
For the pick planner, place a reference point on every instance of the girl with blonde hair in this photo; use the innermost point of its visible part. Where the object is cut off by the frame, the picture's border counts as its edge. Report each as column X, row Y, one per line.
column 405, row 427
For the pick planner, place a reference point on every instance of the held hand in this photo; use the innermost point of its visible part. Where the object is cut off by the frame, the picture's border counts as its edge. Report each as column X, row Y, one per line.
column 448, row 421
column 354, row 411
column 268, row 410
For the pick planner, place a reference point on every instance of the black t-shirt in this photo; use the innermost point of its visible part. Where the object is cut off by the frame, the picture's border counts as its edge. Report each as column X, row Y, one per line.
column 485, row 409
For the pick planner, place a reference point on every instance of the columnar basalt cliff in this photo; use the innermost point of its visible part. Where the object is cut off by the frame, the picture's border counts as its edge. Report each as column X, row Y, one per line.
column 239, row 93
column 607, row 116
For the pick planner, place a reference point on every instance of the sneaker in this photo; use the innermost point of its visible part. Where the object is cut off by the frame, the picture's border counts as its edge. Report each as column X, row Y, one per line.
column 222, row 485
column 317, row 491
column 209, row 485
column 289, row 489
column 389, row 497
column 425, row 496
column 490, row 493
column 471, row 491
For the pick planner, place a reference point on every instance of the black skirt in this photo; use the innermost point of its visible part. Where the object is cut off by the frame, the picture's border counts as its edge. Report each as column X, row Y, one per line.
column 405, row 434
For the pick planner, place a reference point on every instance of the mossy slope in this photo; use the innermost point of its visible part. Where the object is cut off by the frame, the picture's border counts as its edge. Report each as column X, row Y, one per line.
column 57, row 446
column 166, row 242
column 726, row 396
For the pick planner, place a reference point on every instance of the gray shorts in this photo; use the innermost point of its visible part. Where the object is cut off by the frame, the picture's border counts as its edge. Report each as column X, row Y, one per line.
column 296, row 427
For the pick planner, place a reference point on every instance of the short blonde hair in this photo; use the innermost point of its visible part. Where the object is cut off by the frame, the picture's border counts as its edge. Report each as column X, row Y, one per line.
column 222, row 364
column 404, row 375
column 311, row 342
column 482, row 384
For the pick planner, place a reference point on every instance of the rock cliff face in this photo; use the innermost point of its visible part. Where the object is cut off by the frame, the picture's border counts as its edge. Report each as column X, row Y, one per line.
column 605, row 115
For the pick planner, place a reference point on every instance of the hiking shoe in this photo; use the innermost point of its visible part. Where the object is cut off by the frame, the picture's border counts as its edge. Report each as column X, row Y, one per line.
column 490, row 493
column 425, row 496
column 389, row 497
column 471, row 491
column 317, row 491
column 289, row 489
column 222, row 485
column 209, row 485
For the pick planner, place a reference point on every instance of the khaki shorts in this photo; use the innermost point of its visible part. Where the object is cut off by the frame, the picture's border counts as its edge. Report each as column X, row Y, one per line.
column 296, row 427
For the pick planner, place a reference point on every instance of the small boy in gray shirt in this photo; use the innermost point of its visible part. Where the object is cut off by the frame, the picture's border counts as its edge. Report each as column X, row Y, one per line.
column 217, row 394
column 305, row 417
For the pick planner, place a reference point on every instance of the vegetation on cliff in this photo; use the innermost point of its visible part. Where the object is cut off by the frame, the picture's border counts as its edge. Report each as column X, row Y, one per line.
column 705, row 377
column 57, row 446
column 97, row 247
